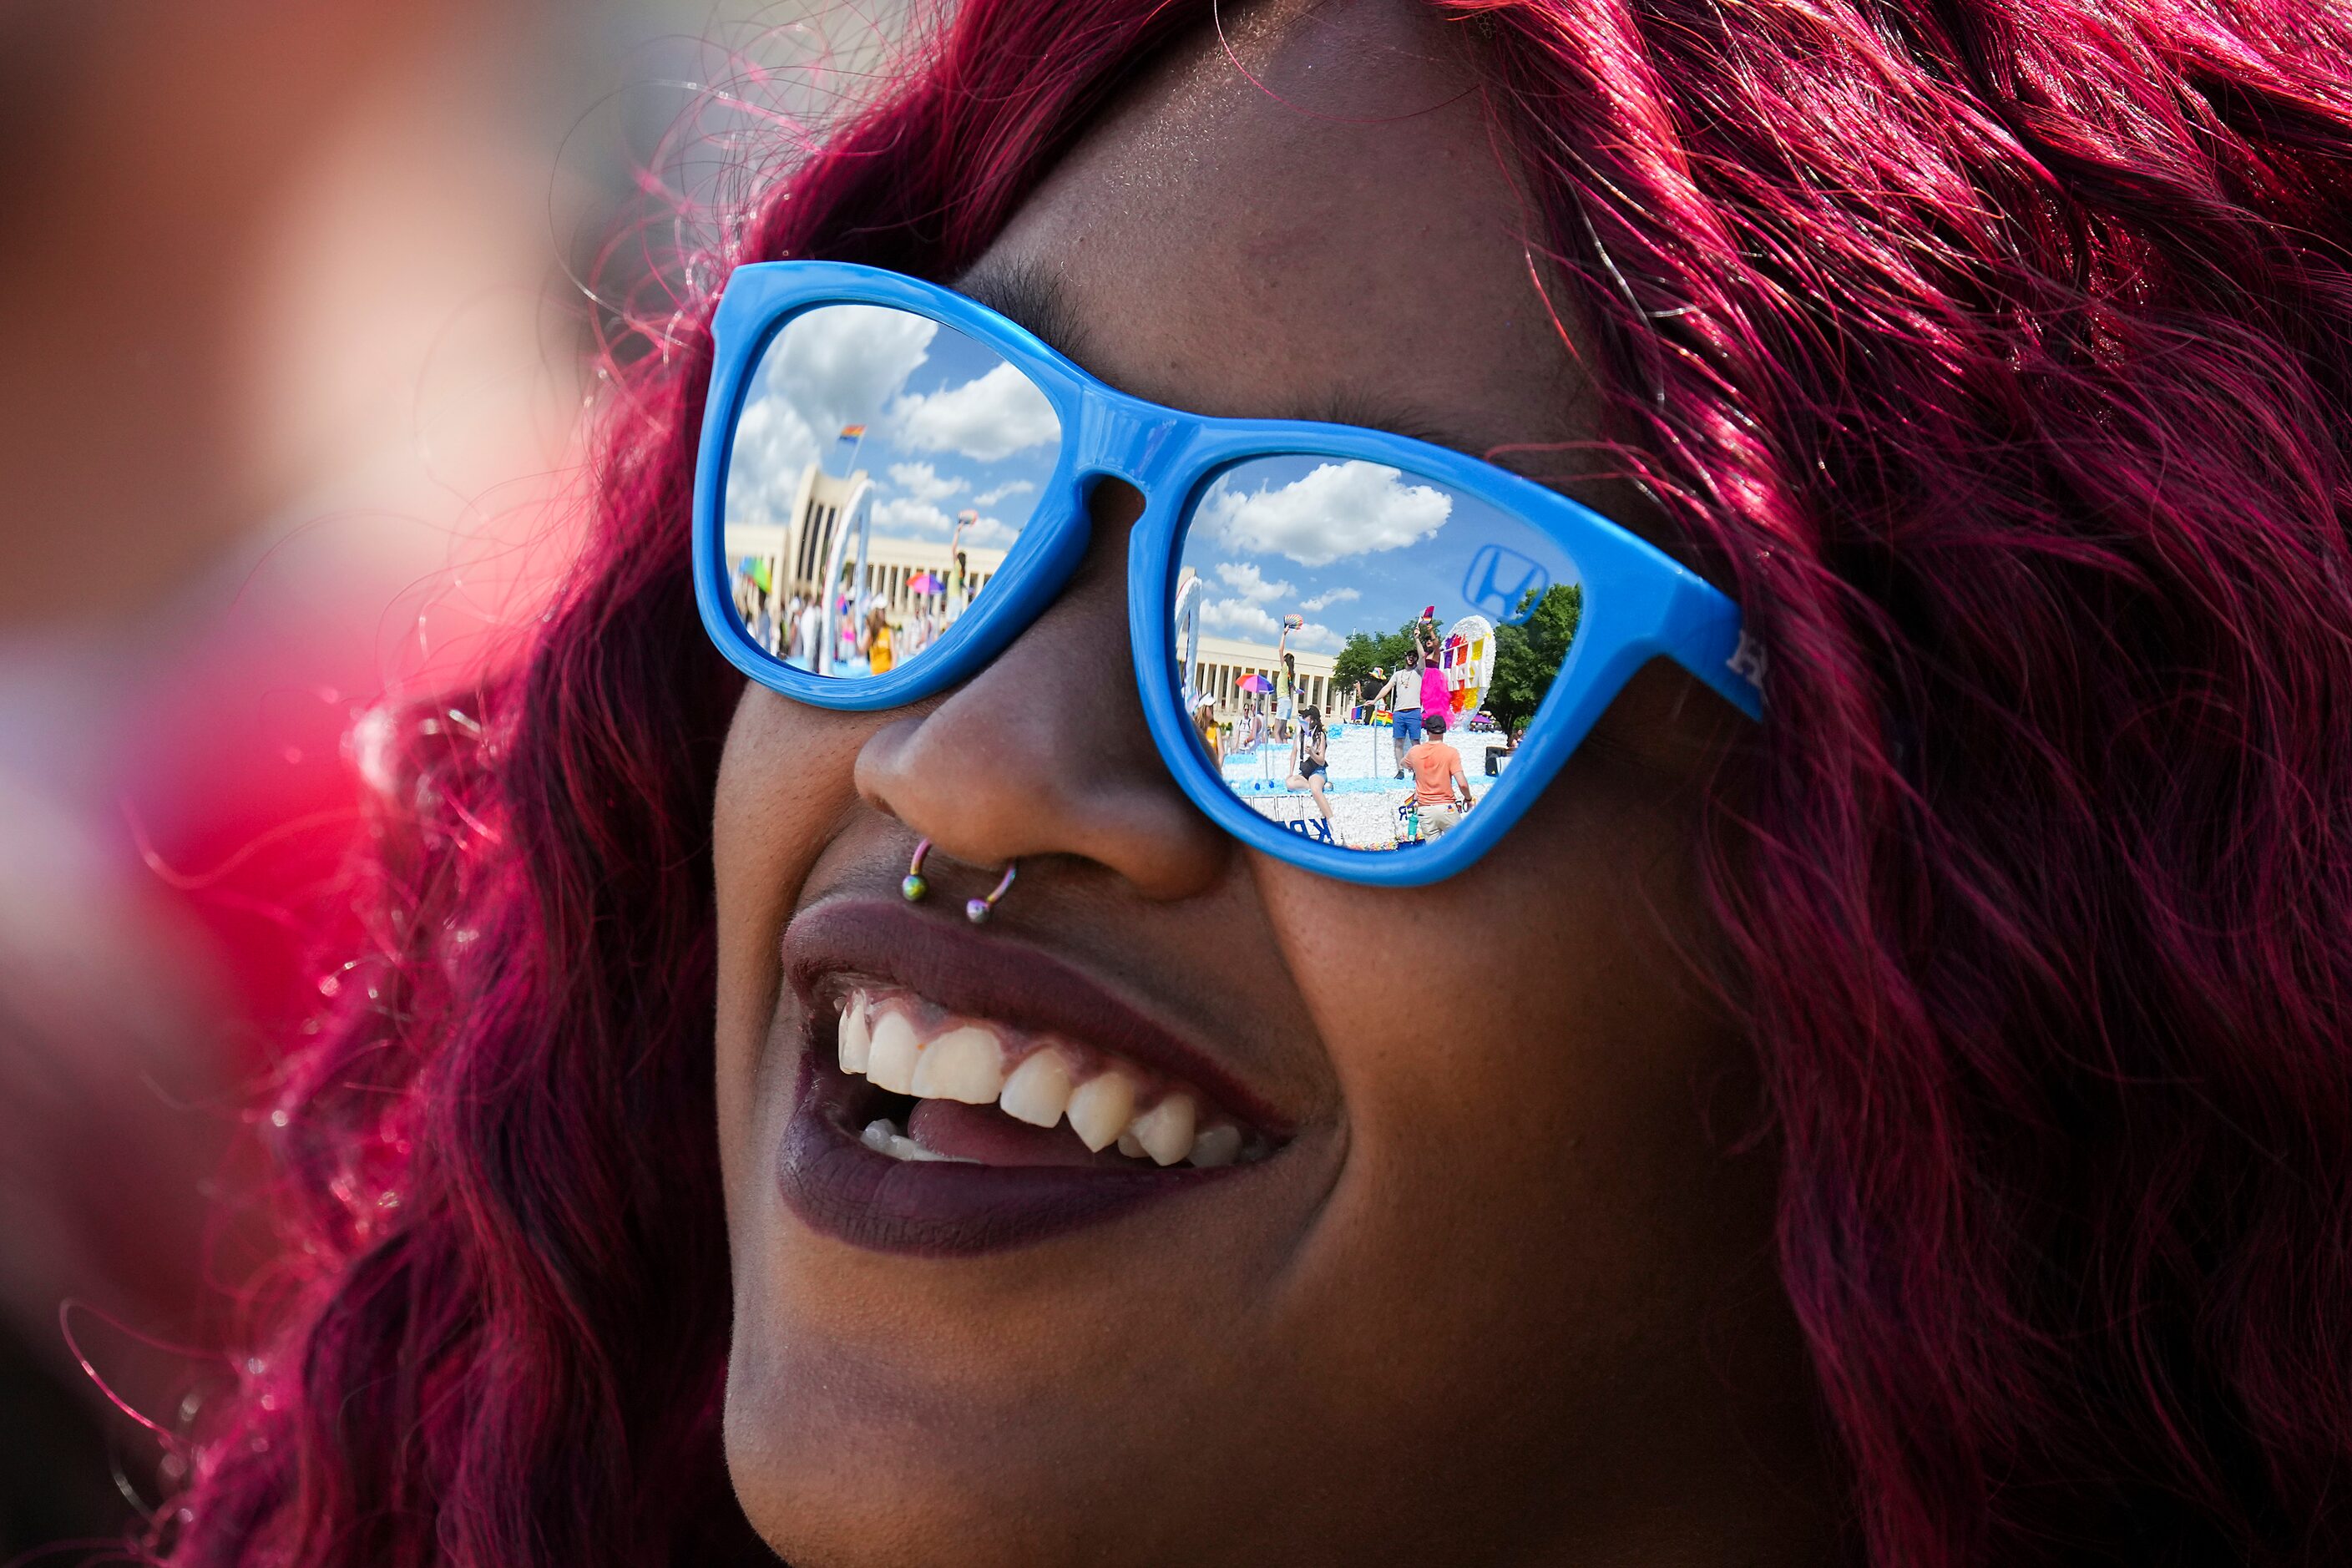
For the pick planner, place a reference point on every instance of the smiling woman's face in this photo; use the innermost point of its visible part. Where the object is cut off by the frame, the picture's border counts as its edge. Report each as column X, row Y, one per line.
column 1483, row 1284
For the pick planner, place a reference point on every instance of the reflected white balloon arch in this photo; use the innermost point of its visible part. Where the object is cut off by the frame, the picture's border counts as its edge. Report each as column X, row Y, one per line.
column 857, row 518
column 1188, row 634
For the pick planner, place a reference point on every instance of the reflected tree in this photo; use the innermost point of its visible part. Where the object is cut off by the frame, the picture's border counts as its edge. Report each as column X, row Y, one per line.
column 1366, row 649
column 1529, row 654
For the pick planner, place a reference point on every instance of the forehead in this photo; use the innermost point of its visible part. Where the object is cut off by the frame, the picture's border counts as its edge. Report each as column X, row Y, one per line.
column 1306, row 215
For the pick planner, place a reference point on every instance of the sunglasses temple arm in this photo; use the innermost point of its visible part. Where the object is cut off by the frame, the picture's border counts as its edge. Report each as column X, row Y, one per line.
column 1707, row 638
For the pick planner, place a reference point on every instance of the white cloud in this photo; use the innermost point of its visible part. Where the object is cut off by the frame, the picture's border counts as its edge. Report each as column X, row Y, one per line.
column 1252, row 623
column 1325, row 601
column 1240, row 618
column 903, row 517
column 990, row 531
column 1248, row 582
column 836, row 365
column 1337, row 510
column 843, row 365
column 1316, row 637
column 987, row 418
column 923, row 483
column 830, row 367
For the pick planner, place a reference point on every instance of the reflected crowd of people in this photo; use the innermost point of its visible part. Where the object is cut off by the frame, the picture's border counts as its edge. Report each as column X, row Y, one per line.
column 870, row 635
column 1418, row 704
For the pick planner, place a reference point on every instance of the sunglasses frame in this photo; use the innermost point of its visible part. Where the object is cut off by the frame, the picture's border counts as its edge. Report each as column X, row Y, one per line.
column 1639, row 604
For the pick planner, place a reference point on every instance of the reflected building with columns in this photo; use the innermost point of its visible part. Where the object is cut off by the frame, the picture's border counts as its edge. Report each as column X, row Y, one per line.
column 828, row 538
column 1220, row 664
column 1217, row 666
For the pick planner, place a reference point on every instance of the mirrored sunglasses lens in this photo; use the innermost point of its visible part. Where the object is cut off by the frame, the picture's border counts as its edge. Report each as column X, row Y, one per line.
column 883, row 464
column 1358, row 647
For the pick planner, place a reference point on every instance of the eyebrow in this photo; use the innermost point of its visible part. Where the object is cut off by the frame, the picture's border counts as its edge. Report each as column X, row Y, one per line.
column 1026, row 293
column 1372, row 411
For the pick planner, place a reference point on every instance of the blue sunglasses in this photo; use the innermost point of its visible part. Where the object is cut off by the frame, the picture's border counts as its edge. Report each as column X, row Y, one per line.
column 1337, row 631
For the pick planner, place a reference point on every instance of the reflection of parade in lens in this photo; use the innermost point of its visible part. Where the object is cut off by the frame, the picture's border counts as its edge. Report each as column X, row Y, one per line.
column 864, row 423
column 1343, row 730
column 1310, row 761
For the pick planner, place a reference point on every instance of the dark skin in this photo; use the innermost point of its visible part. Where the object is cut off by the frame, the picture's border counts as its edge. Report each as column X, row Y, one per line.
column 1505, row 1295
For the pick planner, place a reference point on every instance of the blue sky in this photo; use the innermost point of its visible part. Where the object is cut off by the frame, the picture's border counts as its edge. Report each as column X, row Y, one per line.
column 1350, row 546
column 948, row 424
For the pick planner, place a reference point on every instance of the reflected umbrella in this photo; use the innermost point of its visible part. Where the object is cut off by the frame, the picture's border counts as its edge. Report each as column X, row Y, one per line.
column 1254, row 682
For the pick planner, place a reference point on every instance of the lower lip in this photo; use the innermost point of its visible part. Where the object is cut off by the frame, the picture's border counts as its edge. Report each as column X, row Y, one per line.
column 840, row 1188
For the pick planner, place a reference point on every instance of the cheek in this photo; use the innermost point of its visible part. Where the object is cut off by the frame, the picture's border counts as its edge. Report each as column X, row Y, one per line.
column 784, row 781
column 1526, row 1061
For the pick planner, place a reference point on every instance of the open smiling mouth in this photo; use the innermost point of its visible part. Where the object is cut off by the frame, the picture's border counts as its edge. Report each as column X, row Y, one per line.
column 1035, row 1104
column 947, row 1088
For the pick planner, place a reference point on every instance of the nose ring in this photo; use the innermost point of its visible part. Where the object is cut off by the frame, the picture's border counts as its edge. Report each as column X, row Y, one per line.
column 914, row 889
column 977, row 910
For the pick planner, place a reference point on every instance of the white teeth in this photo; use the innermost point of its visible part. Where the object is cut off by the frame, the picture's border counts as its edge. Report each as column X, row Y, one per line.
column 1165, row 1131
column 1216, row 1145
column 891, row 1062
column 882, row 1136
column 1100, row 1108
column 1039, row 1090
column 965, row 1064
column 857, row 1040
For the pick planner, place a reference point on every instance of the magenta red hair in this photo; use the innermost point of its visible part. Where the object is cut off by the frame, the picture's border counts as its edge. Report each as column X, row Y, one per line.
column 1996, row 355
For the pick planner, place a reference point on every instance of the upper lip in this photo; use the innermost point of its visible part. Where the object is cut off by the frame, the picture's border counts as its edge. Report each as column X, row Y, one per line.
column 840, row 942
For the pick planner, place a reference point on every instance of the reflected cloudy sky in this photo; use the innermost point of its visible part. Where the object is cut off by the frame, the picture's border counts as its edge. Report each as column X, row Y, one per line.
column 948, row 424
column 1351, row 546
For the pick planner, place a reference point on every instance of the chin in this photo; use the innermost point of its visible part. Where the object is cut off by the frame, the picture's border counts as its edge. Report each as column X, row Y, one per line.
column 837, row 1468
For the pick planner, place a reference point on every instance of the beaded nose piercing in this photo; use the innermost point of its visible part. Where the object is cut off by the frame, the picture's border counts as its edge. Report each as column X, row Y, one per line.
column 977, row 910
column 915, row 889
